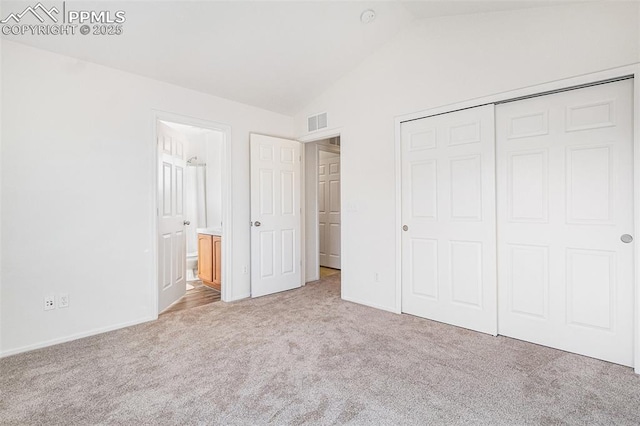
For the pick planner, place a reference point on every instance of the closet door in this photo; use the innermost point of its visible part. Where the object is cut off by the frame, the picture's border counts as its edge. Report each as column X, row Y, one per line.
column 448, row 212
column 565, row 202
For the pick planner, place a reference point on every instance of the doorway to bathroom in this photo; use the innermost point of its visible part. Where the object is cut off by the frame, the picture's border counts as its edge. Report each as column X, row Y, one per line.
column 191, row 177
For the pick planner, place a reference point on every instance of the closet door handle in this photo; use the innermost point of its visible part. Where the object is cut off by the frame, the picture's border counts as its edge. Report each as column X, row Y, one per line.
column 186, row 223
column 257, row 223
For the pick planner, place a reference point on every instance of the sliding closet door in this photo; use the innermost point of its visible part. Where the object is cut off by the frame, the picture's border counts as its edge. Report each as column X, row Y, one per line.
column 565, row 203
column 448, row 212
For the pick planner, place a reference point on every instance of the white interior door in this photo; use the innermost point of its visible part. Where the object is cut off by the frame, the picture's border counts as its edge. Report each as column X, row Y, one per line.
column 448, row 211
column 565, row 197
column 275, row 215
column 329, row 208
column 171, row 229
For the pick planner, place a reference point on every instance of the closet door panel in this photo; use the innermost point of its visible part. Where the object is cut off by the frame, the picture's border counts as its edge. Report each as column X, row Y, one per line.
column 448, row 208
column 565, row 198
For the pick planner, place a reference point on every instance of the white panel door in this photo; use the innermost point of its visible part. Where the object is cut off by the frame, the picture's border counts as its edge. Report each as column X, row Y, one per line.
column 171, row 233
column 329, row 208
column 448, row 211
column 275, row 215
column 565, row 197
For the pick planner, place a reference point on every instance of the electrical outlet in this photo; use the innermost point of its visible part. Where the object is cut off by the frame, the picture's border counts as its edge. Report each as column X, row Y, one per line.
column 376, row 277
column 245, row 270
column 49, row 303
column 63, row 300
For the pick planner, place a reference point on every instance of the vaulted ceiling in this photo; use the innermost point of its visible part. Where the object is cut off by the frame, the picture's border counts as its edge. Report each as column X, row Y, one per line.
column 274, row 55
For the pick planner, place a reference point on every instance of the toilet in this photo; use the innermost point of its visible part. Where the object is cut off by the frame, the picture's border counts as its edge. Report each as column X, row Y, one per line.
column 192, row 266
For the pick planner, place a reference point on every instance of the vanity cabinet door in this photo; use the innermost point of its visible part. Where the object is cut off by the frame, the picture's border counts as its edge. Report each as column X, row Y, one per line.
column 205, row 255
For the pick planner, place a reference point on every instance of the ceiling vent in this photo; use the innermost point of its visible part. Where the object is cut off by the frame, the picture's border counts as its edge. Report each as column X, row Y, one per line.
column 317, row 122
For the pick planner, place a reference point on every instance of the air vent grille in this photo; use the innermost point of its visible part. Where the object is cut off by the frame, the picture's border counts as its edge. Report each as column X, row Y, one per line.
column 313, row 123
column 322, row 121
column 317, row 122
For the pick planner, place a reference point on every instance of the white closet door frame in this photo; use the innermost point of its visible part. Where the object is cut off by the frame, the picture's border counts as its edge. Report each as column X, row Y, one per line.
column 564, row 84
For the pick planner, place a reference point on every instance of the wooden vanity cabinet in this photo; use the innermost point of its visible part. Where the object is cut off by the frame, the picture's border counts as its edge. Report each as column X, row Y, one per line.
column 210, row 260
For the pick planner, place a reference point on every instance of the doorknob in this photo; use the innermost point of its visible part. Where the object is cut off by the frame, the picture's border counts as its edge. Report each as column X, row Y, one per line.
column 186, row 223
column 257, row 223
column 405, row 228
column 626, row 238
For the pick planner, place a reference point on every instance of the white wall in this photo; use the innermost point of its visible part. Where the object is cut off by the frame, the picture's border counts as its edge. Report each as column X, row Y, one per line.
column 195, row 146
column 311, row 270
column 438, row 62
column 1, row 95
column 77, row 192
column 213, row 149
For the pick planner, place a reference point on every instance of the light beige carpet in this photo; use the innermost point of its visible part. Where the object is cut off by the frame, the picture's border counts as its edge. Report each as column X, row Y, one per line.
column 306, row 357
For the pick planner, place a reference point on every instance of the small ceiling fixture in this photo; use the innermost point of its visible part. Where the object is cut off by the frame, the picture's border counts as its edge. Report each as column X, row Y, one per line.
column 367, row 16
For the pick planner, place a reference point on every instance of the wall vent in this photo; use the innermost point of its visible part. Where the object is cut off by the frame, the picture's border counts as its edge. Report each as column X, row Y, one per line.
column 317, row 122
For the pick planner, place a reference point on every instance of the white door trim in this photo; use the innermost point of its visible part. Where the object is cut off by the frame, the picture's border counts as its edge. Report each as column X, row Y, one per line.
column 227, row 201
column 319, row 136
column 629, row 70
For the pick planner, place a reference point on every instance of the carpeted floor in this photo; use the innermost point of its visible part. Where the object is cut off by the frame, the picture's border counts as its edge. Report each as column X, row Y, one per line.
column 306, row 357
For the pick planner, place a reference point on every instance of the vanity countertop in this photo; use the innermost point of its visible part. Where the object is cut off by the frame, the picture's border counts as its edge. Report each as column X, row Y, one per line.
column 210, row 231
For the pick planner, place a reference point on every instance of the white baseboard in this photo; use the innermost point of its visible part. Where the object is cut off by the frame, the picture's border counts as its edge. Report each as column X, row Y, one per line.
column 240, row 297
column 76, row 336
column 371, row 305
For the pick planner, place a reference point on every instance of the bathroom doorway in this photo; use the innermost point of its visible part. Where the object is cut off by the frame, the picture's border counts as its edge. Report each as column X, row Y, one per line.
column 191, row 192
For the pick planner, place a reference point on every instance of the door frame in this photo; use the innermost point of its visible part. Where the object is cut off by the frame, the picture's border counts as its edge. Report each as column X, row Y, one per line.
column 227, row 200
column 314, row 196
column 539, row 89
column 306, row 141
